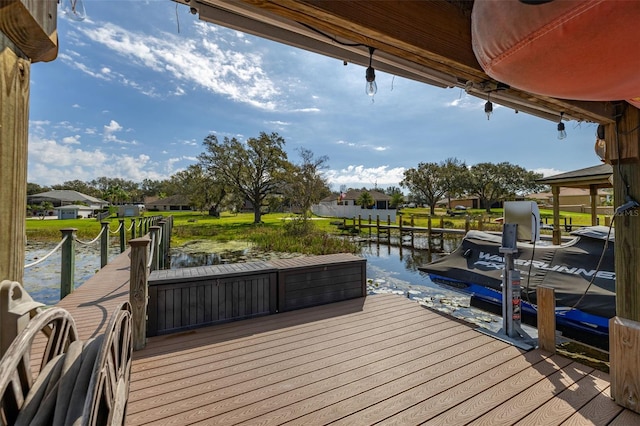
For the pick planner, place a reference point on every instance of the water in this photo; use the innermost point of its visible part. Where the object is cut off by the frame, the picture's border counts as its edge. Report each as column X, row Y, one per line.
column 42, row 281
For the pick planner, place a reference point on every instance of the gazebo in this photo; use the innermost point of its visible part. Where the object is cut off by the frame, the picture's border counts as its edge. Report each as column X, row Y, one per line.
column 591, row 178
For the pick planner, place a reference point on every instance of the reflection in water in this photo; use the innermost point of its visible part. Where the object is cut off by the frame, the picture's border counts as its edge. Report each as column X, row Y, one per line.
column 180, row 259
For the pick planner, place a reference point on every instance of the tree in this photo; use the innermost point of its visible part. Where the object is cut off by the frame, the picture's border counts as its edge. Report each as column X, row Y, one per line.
column 255, row 169
column 397, row 197
column 80, row 186
column 34, row 188
column 498, row 182
column 426, row 183
column 455, row 176
column 306, row 185
column 203, row 191
column 365, row 200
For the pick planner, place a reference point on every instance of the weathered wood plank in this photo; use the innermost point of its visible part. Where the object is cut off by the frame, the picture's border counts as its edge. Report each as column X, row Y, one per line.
column 624, row 357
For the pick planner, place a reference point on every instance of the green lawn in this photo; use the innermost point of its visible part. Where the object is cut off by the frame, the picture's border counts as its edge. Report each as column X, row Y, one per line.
column 190, row 225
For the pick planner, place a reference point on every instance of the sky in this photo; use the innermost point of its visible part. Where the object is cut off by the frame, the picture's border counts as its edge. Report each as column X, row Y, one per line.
column 138, row 85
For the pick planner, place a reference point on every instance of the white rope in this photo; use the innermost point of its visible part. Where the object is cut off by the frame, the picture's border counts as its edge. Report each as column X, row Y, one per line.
column 42, row 259
column 130, row 226
column 153, row 247
column 86, row 243
column 119, row 228
column 160, row 236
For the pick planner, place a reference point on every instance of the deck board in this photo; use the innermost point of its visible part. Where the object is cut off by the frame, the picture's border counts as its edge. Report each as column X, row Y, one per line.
column 381, row 359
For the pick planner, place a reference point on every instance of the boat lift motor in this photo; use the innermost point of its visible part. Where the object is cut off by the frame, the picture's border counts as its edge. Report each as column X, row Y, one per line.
column 521, row 222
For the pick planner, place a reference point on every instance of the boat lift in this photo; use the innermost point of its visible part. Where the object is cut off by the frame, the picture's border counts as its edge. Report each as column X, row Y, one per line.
column 521, row 223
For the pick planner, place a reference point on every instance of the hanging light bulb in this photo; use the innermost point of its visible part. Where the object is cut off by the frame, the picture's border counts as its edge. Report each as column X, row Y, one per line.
column 74, row 9
column 562, row 134
column 371, row 88
column 488, row 107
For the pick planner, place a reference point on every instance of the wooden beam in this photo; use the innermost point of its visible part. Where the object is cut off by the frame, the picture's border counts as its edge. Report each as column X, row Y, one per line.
column 546, row 300
column 593, row 192
column 557, row 233
column 623, row 140
column 14, row 116
column 31, row 26
column 624, row 358
column 27, row 33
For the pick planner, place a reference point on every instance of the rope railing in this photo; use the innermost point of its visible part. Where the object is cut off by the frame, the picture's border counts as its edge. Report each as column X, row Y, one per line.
column 131, row 226
column 117, row 230
column 88, row 243
column 152, row 250
column 45, row 257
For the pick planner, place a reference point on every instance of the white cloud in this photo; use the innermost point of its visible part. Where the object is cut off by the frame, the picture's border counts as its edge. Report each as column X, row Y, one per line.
column 207, row 62
column 52, row 163
column 548, row 172
column 71, row 140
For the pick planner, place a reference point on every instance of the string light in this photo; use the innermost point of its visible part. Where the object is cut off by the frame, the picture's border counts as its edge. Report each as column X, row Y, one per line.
column 488, row 107
column 562, row 134
column 371, row 87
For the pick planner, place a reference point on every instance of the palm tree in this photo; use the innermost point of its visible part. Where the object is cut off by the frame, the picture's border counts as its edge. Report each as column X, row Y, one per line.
column 365, row 200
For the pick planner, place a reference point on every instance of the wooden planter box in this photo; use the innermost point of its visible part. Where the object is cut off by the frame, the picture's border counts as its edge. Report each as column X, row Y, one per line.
column 315, row 280
column 181, row 299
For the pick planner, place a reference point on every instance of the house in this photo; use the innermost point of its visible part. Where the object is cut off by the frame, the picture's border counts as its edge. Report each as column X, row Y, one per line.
column 66, row 197
column 351, row 197
column 572, row 197
column 74, row 211
column 172, row 203
column 345, row 205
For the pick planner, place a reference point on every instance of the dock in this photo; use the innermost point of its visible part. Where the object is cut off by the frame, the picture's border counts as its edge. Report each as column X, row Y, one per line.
column 380, row 358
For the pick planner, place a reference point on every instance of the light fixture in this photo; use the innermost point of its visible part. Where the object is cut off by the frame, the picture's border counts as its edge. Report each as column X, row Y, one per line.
column 371, row 87
column 488, row 107
column 562, row 134
column 74, row 9
column 601, row 145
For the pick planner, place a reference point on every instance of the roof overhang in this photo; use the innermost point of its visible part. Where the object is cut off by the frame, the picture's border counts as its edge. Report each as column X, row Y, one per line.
column 426, row 41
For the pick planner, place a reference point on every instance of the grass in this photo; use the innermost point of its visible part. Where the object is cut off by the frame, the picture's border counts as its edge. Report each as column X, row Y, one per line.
column 277, row 232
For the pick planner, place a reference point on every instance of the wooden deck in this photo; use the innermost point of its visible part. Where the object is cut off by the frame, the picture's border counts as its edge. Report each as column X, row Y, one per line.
column 380, row 359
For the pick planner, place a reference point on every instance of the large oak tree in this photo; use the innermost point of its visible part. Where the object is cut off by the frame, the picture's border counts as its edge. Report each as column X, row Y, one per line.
column 255, row 168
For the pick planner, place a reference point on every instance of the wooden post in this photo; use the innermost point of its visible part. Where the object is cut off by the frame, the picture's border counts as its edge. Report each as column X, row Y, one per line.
column 154, row 234
column 369, row 226
column 546, row 299
column 480, row 224
column 27, row 35
column 68, row 265
column 466, row 224
column 104, row 245
column 141, row 227
column 378, row 227
column 430, row 242
column 133, row 228
column 593, row 192
column 623, row 151
column 164, row 246
column 122, row 236
column 557, row 233
column 138, row 290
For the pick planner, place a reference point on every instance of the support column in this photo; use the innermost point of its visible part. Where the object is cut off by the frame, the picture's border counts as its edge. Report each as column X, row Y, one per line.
column 623, row 151
column 557, row 233
column 27, row 34
column 593, row 192
column 14, row 88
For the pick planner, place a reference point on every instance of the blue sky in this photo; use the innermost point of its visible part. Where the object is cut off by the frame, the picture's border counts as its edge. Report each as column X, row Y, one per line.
column 131, row 96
